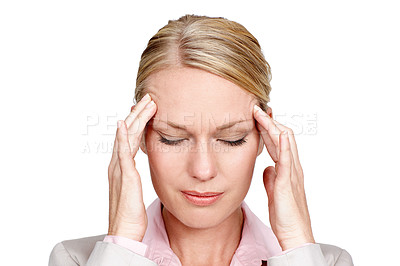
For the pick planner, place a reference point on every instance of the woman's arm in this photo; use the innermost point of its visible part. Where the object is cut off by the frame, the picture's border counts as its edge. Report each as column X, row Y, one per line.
column 59, row 256
column 287, row 205
column 284, row 184
column 127, row 213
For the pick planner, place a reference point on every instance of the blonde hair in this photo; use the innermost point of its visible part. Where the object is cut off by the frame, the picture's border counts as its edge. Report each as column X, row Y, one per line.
column 213, row 44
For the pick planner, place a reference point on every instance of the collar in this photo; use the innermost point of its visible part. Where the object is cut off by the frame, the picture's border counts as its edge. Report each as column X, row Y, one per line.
column 257, row 243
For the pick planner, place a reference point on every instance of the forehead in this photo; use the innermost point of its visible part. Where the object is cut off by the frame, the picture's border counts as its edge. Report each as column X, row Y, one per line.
column 196, row 98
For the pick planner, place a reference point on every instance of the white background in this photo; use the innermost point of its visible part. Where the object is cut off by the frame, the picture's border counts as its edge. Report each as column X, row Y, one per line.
column 65, row 65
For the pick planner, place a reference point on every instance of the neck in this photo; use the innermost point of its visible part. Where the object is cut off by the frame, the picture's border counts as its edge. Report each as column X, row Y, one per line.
column 204, row 246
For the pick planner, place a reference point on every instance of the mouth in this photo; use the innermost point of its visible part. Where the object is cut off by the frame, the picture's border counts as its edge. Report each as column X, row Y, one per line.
column 202, row 198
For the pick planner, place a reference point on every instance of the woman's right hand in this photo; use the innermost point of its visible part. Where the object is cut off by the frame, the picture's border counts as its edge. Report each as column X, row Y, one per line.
column 127, row 213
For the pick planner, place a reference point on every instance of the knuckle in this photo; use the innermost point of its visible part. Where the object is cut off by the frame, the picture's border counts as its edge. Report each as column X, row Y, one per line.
column 121, row 155
column 123, row 150
column 126, row 173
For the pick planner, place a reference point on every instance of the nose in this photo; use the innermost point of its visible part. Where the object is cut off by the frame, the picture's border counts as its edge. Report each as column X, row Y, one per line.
column 202, row 162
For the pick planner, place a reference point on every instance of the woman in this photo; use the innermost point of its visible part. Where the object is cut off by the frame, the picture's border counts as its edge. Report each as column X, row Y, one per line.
column 202, row 119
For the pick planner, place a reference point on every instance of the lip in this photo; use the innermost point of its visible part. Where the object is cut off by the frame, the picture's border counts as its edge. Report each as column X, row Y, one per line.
column 202, row 198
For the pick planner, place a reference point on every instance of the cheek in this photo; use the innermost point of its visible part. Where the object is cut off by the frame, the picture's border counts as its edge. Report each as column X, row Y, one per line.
column 165, row 164
column 244, row 156
column 241, row 163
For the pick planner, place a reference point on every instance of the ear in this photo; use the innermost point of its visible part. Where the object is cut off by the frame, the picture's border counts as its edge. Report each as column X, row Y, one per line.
column 261, row 143
column 142, row 144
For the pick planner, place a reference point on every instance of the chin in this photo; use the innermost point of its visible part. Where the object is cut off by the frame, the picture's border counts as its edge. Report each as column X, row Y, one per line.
column 201, row 217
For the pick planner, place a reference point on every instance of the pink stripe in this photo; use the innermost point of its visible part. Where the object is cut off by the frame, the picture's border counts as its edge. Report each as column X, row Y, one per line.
column 133, row 245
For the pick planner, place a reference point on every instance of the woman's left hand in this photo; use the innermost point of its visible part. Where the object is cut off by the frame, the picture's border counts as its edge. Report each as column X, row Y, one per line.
column 284, row 183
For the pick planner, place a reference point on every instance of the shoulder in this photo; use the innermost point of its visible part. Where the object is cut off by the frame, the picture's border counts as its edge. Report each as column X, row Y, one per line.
column 74, row 251
column 313, row 254
column 335, row 255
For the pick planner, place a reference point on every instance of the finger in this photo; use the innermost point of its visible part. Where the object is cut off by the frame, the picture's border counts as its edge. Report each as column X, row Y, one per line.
column 266, row 122
column 137, row 109
column 293, row 146
column 127, row 165
column 114, row 189
column 125, row 158
column 269, row 144
column 269, row 176
column 269, row 132
column 283, row 174
column 136, row 130
column 114, row 157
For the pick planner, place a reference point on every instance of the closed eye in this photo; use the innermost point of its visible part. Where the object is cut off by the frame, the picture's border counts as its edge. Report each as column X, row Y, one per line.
column 170, row 142
column 236, row 142
column 176, row 142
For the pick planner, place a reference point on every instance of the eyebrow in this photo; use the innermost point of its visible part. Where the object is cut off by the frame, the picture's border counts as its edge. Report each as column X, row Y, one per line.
column 220, row 128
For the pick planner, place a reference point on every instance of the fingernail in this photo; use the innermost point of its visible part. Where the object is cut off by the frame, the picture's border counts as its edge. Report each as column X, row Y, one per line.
column 132, row 108
column 119, row 123
column 146, row 97
column 259, row 110
column 150, row 105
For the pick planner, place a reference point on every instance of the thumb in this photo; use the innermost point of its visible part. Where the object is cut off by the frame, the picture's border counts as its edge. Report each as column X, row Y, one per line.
column 269, row 176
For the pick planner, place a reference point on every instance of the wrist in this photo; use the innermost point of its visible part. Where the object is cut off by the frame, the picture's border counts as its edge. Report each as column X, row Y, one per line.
column 295, row 242
column 130, row 235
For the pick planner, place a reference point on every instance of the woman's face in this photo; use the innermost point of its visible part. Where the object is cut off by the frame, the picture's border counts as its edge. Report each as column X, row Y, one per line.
column 199, row 156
